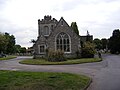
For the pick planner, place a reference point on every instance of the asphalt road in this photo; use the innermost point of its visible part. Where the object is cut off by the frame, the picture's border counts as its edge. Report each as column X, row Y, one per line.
column 105, row 74
column 108, row 78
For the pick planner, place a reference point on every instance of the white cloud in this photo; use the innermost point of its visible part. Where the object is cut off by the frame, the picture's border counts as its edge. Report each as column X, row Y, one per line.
column 19, row 17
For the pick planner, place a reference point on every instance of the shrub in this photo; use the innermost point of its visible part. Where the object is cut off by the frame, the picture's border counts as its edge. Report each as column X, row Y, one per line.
column 88, row 50
column 78, row 54
column 55, row 56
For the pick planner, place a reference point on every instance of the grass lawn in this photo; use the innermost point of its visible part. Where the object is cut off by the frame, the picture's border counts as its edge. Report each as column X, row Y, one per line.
column 7, row 57
column 74, row 61
column 14, row 80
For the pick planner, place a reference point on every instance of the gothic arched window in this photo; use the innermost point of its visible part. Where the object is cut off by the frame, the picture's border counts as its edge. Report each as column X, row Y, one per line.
column 63, row 42
column 46, row 30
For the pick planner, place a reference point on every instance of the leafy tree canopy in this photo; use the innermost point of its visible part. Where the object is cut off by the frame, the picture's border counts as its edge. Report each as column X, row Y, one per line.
column 98, row 43
column 23, row 50
column 3, row 43
column 114, row 42
column 88, row 50
column 104, row 42
column 7, row 43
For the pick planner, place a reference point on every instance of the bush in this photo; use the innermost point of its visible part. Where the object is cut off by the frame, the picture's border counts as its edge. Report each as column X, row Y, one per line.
column 78, row 54
column 88, row 50
column 56, row 56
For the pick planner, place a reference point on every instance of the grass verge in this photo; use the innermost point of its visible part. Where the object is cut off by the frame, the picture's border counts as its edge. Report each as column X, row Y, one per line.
column 8, row 57
column 14, row 80
column 74, row 61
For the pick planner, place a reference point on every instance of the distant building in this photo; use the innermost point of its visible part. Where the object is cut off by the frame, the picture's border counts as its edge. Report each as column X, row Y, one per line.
column 54, row 35
column 86, row 38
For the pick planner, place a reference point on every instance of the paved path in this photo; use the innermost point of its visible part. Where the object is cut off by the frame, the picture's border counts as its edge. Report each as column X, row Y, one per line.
column 105, row 74
column 108, row 78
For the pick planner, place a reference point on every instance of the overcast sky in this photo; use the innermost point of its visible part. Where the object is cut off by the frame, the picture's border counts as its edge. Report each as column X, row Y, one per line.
column 19, row 17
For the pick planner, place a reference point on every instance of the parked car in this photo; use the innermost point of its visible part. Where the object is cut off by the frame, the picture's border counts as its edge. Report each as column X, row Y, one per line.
column 2, row 55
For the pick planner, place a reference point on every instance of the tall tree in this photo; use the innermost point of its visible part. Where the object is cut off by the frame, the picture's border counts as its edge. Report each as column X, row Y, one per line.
column 11, row 43
column 17, row 48
column 98, row 44
column 23, row 50
column 3, row 43
column 114, row 42
column 104, row 42
column 75, row 27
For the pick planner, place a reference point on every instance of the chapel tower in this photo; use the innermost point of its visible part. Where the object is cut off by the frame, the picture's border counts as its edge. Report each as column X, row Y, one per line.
column 46, row 25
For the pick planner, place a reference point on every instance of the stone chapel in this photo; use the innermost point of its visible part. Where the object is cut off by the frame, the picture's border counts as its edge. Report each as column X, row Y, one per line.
column 54, row 35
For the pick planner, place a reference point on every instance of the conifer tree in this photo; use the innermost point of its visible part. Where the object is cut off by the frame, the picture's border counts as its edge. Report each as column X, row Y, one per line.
column 75, row 27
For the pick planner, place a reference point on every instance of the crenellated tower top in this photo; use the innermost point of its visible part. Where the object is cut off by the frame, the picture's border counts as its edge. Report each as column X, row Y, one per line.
column 47, row 19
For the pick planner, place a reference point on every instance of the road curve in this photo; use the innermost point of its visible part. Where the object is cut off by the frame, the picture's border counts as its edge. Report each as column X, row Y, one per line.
column 105, row 74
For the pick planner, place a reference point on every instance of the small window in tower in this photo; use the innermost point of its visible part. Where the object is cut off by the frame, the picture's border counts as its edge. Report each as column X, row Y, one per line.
column 46, row 30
